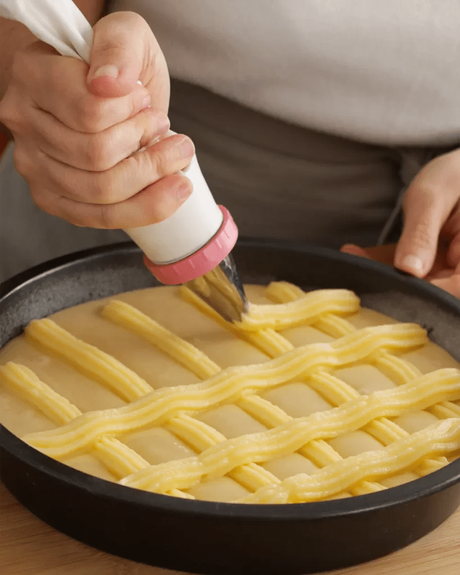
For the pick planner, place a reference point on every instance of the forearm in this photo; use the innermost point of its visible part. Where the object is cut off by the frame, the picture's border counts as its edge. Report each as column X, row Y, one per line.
column 14, row 37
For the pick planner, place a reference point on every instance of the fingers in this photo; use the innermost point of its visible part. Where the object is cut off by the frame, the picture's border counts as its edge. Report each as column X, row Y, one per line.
column 446, row 279
column 354, row 250
column 117, row 54
column 101, row 151
column 78, row 129
column 383, row 254
column 418, row 244
column 152, row 205
column 428, row 202
column 139, row 191
column 124, row 180
column 58, row 85
column 125, row 51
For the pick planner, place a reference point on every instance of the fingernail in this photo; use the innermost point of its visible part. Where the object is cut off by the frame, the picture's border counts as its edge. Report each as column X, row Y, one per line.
column 413, row 263
column 187, row 148
column 146, row 102
column 183, row 192
column 107, row 70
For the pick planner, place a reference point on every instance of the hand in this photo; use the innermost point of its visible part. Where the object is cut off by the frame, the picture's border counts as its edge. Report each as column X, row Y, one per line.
column 429, row 246
column 442, row 274
column 77, row 129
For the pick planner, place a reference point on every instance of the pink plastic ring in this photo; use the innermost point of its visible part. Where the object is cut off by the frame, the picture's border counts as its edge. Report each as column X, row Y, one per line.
column 202, row 261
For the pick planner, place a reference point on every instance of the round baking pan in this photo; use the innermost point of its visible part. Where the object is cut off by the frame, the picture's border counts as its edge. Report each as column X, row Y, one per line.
column 210, row 537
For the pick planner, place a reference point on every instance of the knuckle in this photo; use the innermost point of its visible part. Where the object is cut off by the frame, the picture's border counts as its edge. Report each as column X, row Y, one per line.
column 167, row 158
column 90, row 115
column 99, row 153
column 102, row 188
column 159, row 161
column 173, row 155
column 122, row 21
column 137, row 20
column 423, row 236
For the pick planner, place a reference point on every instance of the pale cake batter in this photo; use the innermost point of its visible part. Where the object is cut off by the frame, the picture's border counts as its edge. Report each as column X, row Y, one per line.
column 327, row 399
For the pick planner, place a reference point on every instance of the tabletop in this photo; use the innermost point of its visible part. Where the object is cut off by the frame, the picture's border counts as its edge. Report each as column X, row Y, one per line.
column 30, row 547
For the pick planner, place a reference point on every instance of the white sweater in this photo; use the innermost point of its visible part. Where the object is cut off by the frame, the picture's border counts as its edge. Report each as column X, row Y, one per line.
column 383, row 71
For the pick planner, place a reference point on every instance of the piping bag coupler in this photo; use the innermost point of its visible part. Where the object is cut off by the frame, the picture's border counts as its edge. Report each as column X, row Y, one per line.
column 193, row 246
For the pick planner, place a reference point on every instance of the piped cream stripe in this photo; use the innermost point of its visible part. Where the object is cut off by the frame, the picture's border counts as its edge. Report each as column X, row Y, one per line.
column 195, row 433
column 229, row 385
column 250, row 474
column 317, row 451
column 300, row 311
column 88, row 359
column 267, row 340
column 134, row 320
column 119, row 459
column 274, row 344
column 439, row 438
column 222, row 458
column 336, row 390
column 202, row 436
column 28, row 386
column 396, row 368
column 188, row 429
column 333, row 389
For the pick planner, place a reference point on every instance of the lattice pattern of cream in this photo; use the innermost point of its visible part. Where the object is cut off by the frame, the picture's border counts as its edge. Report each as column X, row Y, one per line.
column 401, row 455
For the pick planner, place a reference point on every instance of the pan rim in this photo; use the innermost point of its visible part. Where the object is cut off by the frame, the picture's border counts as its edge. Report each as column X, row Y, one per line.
column 11, row 285
column 434, row 482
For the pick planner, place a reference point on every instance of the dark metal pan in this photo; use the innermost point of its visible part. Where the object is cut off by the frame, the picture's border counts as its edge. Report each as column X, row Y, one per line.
column 209, row 537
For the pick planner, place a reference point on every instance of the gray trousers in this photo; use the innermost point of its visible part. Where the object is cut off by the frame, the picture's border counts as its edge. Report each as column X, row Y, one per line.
column 278, row 181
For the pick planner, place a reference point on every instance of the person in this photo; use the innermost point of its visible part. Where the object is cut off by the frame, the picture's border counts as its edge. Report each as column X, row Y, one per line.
column 313, row 121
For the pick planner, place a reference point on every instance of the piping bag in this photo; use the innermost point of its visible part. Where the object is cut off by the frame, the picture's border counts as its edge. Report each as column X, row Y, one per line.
column 191, row 247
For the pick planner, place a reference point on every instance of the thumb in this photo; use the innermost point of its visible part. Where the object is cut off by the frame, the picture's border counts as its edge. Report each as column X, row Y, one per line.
column 423, row 219
column 122, row 48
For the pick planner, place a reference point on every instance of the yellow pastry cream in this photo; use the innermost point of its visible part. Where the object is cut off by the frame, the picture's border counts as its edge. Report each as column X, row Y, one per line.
column 311, row 397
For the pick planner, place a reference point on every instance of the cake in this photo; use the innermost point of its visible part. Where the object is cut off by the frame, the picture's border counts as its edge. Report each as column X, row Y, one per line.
column 311, row 397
